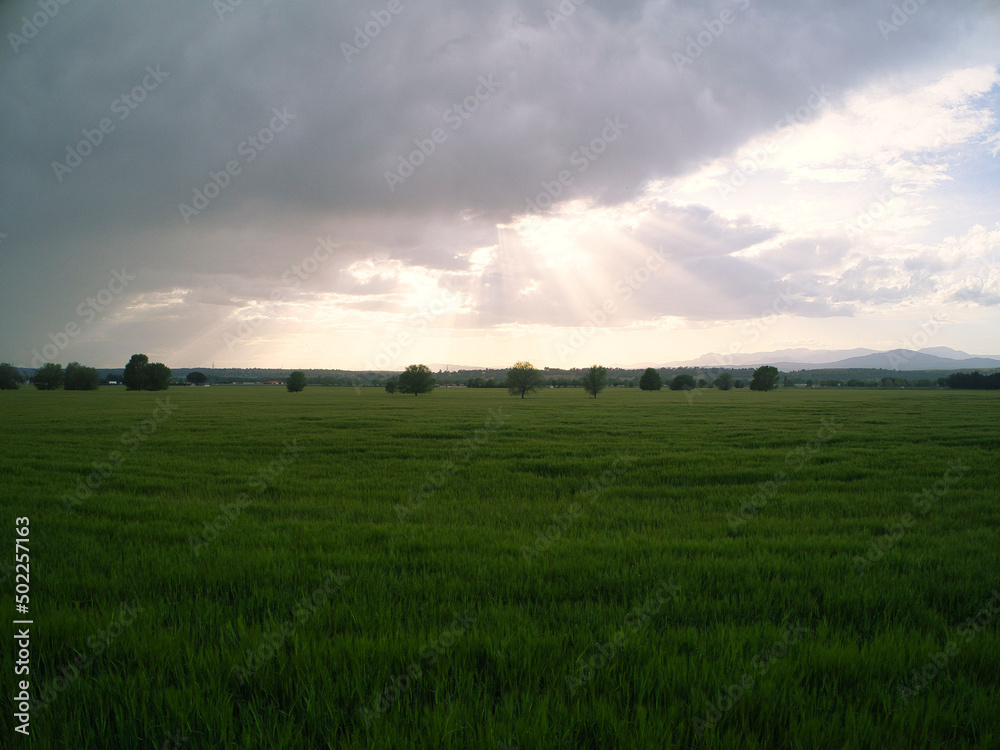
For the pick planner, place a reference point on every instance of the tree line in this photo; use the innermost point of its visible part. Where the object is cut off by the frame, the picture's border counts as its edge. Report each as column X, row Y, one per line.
column 524, row 378
column 140, row 375
column 973, row 380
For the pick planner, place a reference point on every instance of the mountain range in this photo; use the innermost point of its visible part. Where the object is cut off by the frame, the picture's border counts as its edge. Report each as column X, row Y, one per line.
column 931, row 358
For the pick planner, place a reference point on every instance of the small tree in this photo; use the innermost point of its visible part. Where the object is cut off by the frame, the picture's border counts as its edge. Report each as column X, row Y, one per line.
column 391, row 385
column 683, row 382
column 157, row 377
column 10, row 377
column 296, row 382
column 650, row 380
column 197, row 378
column 80, row 378
column 523, row 378
column 594, row 380
column 765, row 378
column 416, row 379
column 738, row 383
column 141, row 375
column 49, row 377
column 134, row 376
column 724, row 381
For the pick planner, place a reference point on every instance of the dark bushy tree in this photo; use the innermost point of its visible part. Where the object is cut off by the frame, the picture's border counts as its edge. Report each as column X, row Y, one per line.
column 523, row 378
column 157, row 377
column 80, row 378
column 650, row 380
column 135, row 372
column 974, row 380
column 683, row 382
column 296, row 382
column 594, row 380
column 765, row 378
column 197, row 378
column 738, row 383
column 724, row 381
column 391, row 385
column 416, row 379
column 48, row 377
column 10, row 377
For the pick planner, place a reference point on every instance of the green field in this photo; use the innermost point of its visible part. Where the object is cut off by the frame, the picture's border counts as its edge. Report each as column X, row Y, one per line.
column 344, row 568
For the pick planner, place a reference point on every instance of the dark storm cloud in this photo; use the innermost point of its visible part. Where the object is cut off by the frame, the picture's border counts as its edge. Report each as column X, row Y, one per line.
column 268, row 119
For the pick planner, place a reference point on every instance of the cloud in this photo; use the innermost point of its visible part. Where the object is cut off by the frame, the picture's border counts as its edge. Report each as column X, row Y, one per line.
column 277, row 124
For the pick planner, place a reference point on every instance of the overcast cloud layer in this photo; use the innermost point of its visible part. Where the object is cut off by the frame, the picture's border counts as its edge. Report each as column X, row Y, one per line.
column 369, row 185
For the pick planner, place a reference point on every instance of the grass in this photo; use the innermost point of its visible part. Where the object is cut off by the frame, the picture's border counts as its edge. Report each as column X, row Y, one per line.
column 567, row 573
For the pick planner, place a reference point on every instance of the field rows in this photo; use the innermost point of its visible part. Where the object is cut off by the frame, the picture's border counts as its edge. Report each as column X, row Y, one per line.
column 342, row 568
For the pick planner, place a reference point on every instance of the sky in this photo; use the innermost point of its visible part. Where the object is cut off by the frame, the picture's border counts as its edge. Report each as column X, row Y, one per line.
column 364, row 186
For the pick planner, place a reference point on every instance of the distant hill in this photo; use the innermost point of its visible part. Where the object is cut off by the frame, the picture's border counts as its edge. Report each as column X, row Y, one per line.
column 935, row 358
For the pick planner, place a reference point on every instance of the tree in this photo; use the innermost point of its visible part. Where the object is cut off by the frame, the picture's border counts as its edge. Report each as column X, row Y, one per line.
column 135, row 372
column 416, row 379
column 724, row 381
column 765, row 378
column 974, row 380
column 157, row 377
column 296, row 382
column 738, row 383
column 391, row 385
column 683, row 382
column 650, row 380
column 594, row 380
column 80, row 378
column 197, row 378
column 523, row 378
column 10, row 377
column 49, row 377
column 141, row 375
